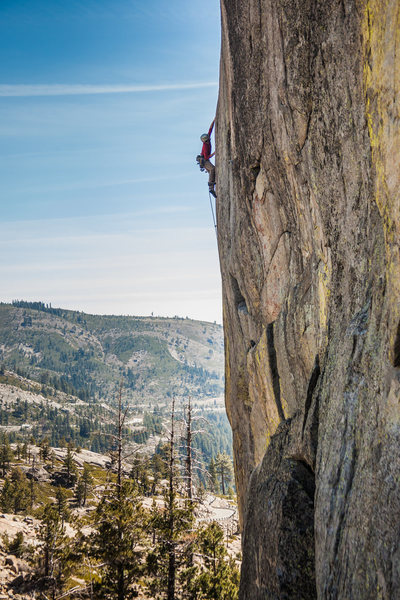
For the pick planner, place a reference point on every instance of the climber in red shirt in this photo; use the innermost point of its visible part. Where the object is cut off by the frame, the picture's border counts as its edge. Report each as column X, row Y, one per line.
column 206, row 155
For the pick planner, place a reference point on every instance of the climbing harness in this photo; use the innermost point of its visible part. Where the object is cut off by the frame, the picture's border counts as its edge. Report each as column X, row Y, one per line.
column 213, row 215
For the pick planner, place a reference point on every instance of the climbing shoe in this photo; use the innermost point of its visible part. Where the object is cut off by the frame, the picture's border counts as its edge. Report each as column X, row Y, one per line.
column 212, row 192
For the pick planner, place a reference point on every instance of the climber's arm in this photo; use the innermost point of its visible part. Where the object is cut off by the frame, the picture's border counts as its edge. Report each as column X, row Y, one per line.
column 211, row 127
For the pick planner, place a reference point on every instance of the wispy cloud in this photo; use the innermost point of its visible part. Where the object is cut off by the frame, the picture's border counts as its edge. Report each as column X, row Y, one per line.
column 61, row 89
column 15, row 230
column 91, row 185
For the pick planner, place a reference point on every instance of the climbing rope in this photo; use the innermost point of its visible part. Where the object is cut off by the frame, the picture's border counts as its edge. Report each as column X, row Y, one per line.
column 213, row 214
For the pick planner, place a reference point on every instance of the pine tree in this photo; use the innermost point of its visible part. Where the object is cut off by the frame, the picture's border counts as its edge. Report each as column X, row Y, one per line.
column 69, row 466
column 6, row 455
column 24, row 451
column 223, row 467
column 119, row 527
column 118, row 539
column 32, row 493
column 6, row 496
column 79, row 492
column 213, row 476
column 32, row 485
column 158, row 466
column 87, row 480
column 21, row 493
column 62, row 505
column 17, row 546
column 173, row 529
column 54, row 548
column 15, row 495
column 83, row 486
column 219, row 577
column 140, row 473
column 44, row 449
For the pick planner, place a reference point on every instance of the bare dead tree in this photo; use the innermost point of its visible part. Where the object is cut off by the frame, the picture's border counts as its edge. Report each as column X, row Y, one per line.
column 119, row 438
column 192, row 463
column 189, row 482
column 171, row 511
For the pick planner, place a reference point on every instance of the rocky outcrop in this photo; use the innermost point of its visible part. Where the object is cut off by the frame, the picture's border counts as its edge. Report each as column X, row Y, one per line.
column 308, row 169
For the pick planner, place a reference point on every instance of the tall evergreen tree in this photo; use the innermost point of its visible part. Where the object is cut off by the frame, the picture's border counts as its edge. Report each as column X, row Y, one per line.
column 140, row 473
column 24, row 451
column 6, row 496
column 119, row 527
column 6, row 455
column 83, row 486
column 69, row 466
column 219, row 576
column 173, row 528
column 45, row 449
column 62, row 504
column 15, row 495
column 54, row 549
column 213, row 476
column 223, row 467
column 79, row 492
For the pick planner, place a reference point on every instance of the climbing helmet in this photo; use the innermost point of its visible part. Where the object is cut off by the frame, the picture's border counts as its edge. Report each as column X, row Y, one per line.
column 205, row 137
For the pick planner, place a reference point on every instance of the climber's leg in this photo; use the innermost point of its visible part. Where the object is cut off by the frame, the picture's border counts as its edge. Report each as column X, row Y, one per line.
column 211, row 172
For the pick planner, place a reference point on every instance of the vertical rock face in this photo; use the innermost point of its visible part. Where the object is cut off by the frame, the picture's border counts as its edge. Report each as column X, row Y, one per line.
column 308, row 168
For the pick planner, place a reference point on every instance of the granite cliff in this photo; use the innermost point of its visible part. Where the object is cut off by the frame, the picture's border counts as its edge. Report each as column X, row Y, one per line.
column 308, row 169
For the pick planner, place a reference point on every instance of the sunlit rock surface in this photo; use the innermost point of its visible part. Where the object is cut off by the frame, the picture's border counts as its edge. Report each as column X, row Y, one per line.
column 308, row 168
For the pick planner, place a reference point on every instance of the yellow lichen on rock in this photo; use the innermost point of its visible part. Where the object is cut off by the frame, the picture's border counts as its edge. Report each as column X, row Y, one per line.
column 381, row 34
column 324, row 276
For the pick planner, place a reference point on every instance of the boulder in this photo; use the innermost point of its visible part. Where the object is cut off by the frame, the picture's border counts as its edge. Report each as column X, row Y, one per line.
column 17, row 564
column 37, row 473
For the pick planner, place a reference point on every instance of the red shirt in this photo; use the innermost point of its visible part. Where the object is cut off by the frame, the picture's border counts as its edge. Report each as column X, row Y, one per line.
column 206, row 149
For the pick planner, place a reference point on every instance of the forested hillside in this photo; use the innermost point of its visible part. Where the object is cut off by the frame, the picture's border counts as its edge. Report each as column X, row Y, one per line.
column 87, row 355
column 61, row 372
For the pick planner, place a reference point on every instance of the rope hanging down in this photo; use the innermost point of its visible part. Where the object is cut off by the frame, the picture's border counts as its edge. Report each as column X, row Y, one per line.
column 213, row 214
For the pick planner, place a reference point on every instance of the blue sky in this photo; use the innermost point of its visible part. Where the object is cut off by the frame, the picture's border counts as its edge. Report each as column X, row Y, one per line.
column 101, row 107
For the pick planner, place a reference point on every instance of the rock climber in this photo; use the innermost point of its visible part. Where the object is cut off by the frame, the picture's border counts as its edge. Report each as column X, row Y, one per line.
column 204, row 159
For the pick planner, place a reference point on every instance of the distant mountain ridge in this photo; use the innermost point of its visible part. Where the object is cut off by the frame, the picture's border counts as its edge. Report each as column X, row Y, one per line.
column 88, row 355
